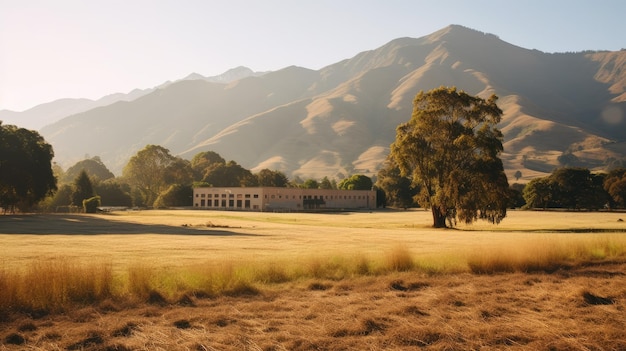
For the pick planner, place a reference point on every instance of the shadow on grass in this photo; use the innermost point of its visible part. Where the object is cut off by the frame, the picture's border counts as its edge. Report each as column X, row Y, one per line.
column 76, row 224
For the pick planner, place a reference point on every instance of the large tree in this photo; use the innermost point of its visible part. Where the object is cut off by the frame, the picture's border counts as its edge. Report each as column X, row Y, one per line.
column 450, row 147
column 26, row 175
column 153, row 169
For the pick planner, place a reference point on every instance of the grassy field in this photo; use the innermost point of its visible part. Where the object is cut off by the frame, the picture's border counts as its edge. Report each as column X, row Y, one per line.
column 264, row 281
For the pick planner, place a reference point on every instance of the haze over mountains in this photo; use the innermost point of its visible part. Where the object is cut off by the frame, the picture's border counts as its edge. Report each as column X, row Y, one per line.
column 340, row 120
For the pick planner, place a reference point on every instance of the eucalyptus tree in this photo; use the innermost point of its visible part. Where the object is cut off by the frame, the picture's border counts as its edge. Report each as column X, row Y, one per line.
column 450, row 147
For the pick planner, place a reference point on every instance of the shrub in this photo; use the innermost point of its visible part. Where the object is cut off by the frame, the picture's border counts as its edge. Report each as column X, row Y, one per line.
column 91, row 204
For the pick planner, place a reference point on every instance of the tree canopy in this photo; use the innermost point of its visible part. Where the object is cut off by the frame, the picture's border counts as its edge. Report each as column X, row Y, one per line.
column 450, row 147
column 153, row 169
column 229, row 174
column 356, row 182
column 94, row 168
column 569, row 187
column 267, row 177
column 398, row 190
column 26, row 175
column 615, row 186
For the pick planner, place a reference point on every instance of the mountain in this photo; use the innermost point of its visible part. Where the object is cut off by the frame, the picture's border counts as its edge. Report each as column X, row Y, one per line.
column 341, row 119
column 47, row 113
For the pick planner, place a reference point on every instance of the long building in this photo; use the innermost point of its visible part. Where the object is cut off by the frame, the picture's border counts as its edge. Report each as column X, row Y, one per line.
column 281, row 199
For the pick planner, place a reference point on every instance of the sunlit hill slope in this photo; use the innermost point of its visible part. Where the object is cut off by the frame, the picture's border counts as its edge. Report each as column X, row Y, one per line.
column 341, row 119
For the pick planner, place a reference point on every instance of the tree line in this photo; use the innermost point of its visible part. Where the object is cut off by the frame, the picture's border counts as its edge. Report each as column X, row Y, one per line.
column 445, row 158
column 153, row 177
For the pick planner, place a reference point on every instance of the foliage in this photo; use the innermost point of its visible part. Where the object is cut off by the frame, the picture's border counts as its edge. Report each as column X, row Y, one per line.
column 398, row 190
column 310, row 184
column 152, row 170
column 356, row 182
column 114, row 193
column 450, row 148
column 571, row 188
column 63, row 197
column 94, row 168
column 82, row 189
column 91, row 204
column 516, row 198
column 615, row 186
column 176, row 195
column 204, row 160
column 578, row 188
column 267, row 177
column 229, row 174
column 326, row 183
column 26, row 175
column 538, row 193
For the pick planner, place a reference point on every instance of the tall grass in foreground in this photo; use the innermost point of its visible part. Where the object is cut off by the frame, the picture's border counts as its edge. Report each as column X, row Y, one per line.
column 55, row 285
column 547, row 254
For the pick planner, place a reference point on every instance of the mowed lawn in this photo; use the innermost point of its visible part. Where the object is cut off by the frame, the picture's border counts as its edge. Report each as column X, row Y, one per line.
column 186, row 237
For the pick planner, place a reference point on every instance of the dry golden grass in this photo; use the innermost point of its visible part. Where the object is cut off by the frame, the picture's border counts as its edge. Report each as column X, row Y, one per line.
column 262, row 281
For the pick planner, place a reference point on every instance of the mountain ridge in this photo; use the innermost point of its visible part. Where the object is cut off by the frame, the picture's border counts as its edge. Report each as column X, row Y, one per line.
column 341, row 119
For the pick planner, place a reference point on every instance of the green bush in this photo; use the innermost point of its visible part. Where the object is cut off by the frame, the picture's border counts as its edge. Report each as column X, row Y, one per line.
column 91, row 204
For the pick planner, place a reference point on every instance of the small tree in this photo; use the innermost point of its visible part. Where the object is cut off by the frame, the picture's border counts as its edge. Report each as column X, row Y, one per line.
column 82, row 189
column 450, row 147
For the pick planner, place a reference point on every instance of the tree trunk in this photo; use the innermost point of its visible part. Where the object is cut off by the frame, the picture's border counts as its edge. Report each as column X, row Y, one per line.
column 439, row 217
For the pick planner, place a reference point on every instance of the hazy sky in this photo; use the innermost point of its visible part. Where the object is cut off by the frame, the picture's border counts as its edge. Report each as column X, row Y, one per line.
column 51, row 49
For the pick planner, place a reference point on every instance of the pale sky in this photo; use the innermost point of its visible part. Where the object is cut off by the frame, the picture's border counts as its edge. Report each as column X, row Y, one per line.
column 51, row 49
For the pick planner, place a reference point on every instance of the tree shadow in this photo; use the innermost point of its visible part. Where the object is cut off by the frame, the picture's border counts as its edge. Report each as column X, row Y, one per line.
column 76, row 224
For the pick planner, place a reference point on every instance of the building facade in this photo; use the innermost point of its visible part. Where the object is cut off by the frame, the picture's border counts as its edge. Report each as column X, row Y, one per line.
column 281, row 199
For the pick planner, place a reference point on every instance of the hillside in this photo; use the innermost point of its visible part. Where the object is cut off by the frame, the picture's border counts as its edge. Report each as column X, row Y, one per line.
column 341, row 119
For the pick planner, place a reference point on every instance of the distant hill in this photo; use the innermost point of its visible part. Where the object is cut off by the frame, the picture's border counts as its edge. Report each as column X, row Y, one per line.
column 47, row 113
column 341, row 119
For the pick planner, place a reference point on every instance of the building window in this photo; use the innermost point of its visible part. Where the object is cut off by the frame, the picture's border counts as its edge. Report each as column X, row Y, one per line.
column 256, row 196
column 209, row 196
column 247, row 204
column 216, row 203
column 239, row 203
column 201, row 195
column 231, row 203
column 223, row 195
column 231, row 196
column 223, row 203
column 247, row 196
